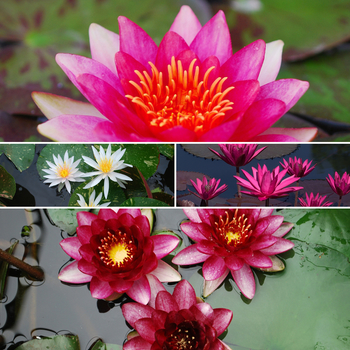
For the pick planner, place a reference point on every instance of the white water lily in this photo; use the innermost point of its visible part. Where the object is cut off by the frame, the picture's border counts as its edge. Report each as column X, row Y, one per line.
column 63, row 171
column 93, row 203
column 106, row 165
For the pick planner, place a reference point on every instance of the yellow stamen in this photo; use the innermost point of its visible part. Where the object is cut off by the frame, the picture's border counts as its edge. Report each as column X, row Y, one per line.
column 105, row 165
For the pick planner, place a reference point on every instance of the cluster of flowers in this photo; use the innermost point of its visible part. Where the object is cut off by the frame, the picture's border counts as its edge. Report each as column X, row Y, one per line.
column 105, row 164
column 266, row 184
column 115, row 252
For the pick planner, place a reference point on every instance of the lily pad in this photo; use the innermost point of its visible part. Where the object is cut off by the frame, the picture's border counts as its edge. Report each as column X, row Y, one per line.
column 166, row 150
column 143, row 202
column 7, row 184
column 306, row 27
column 67, row 342
column 21, row 155
column 65, row 219
column 100, row 345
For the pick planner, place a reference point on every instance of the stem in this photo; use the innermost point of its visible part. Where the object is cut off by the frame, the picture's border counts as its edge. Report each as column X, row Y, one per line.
column 238, row 186
column 267, row 202
column 30, row 270
column 339, row 201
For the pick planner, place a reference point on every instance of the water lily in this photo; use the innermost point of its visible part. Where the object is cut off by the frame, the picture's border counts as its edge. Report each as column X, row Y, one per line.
column 265, row 184
column 107, row 165
column 177, row 321
column 340, row 185
column 233, row 241
column 63, row 171
column 207, row 190
column 115, row 252
column 314, row 201
column 189, row 88
column 93, row 202
column 297, row 167
column 238, row 154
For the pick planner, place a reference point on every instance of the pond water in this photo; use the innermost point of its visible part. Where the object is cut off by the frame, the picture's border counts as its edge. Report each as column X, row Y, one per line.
column 194, row 161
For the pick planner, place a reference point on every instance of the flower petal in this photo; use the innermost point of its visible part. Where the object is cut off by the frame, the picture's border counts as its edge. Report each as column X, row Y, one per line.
column 134, row 311
column 166, row 302
column 100, row 289
column 72, row 274
column 164, row 244
column 71, row 247
column 282, row 245
column 214, row 268
column 140, row 291
column 245, row 281
column 166, row 273
column 189, row 256
column 137, row 343
column 222, row 319
column 185, row 295
column 210, row 286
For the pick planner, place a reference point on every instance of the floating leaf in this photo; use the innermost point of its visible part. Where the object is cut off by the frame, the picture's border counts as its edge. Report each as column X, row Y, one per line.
column 100, row 345
column 7, row 184
column 21, row 155
column 143, row 202
column 167, row 150
column 65, row 219
column 59, row 342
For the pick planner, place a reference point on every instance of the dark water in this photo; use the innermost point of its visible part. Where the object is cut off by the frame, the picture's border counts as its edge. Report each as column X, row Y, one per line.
column 328, row 157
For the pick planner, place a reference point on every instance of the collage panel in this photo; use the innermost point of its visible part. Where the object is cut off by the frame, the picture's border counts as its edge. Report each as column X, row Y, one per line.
column 266, row 292
column 86, row 175
column 259, row 175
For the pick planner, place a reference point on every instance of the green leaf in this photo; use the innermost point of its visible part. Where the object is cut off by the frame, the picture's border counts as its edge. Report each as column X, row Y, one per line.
column 143, row 202
column 3, row 269
column 330, row 228
column 21, row 155
column 7, row 184
column 100, row 345
column 145, row 157
column 167, row 150
column 65, row 219
column 59, row 342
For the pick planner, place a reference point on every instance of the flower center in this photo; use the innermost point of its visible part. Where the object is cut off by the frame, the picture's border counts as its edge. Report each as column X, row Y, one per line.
column 184, row 101
column 183, row 338
column 117, row 249
column 105, row 165
column 233, row 232
column 63, row 171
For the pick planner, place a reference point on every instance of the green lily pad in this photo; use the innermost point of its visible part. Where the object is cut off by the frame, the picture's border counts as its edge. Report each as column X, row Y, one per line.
column 100, row 345
column 37, row 30
column 143, row 202
column 167, row 150
column 21, row 155
column 7, row 184
column 306, row 27
column 59, row 342
column 328, row 95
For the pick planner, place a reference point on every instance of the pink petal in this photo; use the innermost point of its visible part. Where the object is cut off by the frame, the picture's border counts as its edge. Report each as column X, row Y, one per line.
column 53, row 106
column 245, row 281
column 286, row 135
column 72, row 274
column 146, row 329
column 186, row 24
column 165, row 273
column 140, row 291
column 258, row 259
column 137, row 343
column 222, row 319
column 203, row 313
column 234, row 263
column 84, row 234
column 85, row 218
column 246, row 63
column 156, row 286
column 189, row 256
column 184, row 295
column 71, row 247
column 272, row 62
column 282, row 245
column 103, row 45
column 221, row 133
column 213, row 39
column 121, row 286
column 213, row 268
column 210, row 286
column 194, row 230
column 192, row 214
column 70, row 128
column 136, row 42
column 100, row 289
column 263, row 241
column 164, row 244
column 166, row 302
column 108, row 214
column 86, row 267
column 134, row 311
column 284, row 229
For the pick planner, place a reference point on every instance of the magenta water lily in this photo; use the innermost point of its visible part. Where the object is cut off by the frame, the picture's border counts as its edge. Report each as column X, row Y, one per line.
column 177, row 321
column 297, row 167
column 233, row 241
column 314, row 201
column 115, row 252
column 190, row 88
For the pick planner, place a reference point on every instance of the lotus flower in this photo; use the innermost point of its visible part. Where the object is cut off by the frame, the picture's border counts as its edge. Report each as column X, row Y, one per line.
column 233, row 241
column 314, row 201
column 177, row 321
column 190, row 88
column 238, row 154
column 297, row 167
column 208, row 191
column 340, row 185
column 116, row 254
column 265, row 184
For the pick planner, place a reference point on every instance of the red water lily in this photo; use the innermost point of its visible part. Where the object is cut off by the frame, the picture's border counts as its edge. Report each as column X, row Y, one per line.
column 297, row 167
column 207, row 190
column 233, row 241
column 190, row 88
column 176, row 322
column 314, row 201
column 115, row 252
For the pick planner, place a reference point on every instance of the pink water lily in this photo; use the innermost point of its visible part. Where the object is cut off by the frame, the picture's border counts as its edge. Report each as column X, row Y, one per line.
column 190, row 88
column 177, row 321
column 266, row 184
column 340, row 185
column 233, row 241
column 207, row 190
column 297, row 167
column 314, row 201
column 115, row 252
column 238, row 154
